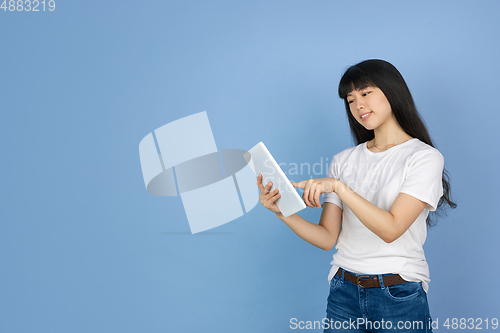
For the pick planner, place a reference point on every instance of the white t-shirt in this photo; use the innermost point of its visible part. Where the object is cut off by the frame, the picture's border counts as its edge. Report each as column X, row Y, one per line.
column 412, row 167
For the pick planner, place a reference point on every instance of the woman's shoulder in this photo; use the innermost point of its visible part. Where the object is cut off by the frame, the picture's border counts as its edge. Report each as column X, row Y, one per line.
column 344, row 154
column 421, row 148
column 421, row 153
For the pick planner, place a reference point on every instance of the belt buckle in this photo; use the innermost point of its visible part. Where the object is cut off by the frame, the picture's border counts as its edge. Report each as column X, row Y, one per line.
column 361, row 277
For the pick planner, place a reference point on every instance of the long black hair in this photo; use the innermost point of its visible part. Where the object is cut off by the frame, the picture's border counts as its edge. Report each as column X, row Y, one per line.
column 383, row 75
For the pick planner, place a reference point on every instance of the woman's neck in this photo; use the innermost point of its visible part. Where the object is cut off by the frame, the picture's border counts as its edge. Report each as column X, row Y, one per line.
column 389, row 134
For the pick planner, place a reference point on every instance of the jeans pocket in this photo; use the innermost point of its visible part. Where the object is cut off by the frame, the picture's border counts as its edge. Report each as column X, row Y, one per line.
column 335, row 282
column 404, row 291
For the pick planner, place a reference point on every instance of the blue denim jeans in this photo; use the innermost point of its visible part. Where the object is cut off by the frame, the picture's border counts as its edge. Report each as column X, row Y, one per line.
column 398, row 308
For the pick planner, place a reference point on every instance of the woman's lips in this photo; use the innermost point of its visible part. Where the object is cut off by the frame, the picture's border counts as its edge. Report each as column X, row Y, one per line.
column 366, row 116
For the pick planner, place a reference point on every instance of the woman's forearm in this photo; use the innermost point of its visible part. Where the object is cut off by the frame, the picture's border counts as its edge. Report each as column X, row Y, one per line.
column 379, row 221
column 312, row 233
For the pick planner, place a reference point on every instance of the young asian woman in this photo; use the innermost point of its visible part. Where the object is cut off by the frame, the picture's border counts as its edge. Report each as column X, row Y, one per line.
column 379, row 198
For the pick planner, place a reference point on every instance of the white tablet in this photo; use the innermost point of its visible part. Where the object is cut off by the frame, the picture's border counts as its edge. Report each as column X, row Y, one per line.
column 261, row 161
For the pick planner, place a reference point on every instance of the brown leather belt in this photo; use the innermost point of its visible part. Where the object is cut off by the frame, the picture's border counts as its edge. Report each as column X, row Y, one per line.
column 365, row 281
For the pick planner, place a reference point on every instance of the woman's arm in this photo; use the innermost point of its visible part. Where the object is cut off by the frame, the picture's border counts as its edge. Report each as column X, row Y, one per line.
column 323, row 235
column 388, row 225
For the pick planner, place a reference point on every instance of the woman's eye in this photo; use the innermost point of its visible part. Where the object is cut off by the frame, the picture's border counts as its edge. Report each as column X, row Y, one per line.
column 366, row 93
column 350, row 101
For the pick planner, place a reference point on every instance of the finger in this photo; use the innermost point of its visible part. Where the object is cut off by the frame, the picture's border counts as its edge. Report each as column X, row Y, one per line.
column 271, row 194
column 312, row 191
column 265, row 189
column 269, row 199
column 263, row 197
column 275, row 196
column 301, row 184
column 305, row 196
column 316, row 198
column 259, row 181
column 268, row 187
column 265, row 193
column 311, row 197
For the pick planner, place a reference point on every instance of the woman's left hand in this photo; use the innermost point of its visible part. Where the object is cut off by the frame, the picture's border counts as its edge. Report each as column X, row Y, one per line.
column 313, row 188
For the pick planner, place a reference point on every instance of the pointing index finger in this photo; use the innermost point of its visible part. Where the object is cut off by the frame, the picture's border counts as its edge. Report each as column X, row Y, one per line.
column 299, row 184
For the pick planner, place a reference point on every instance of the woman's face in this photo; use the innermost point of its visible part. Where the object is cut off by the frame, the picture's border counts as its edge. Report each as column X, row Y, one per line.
column 369, row 107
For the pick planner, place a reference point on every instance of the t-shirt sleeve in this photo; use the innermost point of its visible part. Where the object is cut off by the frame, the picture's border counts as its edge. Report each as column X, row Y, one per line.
column 333, row 172
column 424, row 178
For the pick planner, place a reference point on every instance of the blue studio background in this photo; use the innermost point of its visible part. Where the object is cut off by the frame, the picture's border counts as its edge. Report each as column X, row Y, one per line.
column 85, row 248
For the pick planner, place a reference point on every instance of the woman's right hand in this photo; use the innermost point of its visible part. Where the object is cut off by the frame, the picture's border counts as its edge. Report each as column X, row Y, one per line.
column 267, row 199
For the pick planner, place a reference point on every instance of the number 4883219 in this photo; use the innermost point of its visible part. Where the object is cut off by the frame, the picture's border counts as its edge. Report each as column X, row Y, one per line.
column 28, row 5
